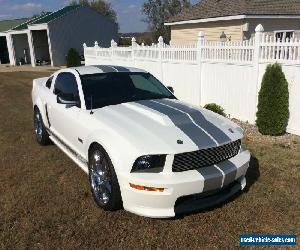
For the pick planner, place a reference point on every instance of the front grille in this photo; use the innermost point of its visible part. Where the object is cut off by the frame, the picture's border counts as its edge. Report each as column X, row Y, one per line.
column 205, row 157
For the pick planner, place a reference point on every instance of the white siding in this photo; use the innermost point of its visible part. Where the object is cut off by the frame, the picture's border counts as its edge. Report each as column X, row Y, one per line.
column 187, row 33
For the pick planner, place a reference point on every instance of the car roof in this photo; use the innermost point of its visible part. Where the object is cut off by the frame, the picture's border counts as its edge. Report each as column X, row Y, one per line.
column 98, row 69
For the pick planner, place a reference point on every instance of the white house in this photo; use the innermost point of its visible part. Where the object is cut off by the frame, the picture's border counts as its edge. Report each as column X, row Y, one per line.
column 47, row 38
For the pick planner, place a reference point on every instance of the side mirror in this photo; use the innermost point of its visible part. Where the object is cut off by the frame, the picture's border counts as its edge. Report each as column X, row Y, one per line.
column 67, row 99
column 171, row 89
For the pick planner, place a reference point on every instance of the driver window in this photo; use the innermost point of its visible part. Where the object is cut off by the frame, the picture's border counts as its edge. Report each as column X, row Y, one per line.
column 66, row 83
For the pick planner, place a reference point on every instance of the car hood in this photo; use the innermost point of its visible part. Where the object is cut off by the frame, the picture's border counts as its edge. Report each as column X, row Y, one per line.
column 168, row 126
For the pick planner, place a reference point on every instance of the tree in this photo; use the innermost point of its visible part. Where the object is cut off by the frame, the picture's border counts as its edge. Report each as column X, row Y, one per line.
column 273, row 102
column 158, row 11
column 73, row 58
column 101, row 6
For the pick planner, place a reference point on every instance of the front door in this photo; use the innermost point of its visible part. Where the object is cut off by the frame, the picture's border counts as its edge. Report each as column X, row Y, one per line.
column 65, row 120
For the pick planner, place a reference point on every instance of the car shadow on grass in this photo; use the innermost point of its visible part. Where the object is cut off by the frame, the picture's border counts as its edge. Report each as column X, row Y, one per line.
column 253, row 173
column 252, row 176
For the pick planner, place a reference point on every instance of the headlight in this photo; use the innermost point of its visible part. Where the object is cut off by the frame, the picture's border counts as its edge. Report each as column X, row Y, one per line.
column 240, row 130
column 149, row 164
column 243, row 148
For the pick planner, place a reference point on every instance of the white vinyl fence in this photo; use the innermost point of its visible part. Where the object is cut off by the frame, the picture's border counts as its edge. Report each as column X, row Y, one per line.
column 226, row 73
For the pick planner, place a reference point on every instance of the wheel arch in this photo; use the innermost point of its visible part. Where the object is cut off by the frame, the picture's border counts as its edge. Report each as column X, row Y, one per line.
column 121, row 153
column 91, row 146
column 39, row 106
column 96, row 142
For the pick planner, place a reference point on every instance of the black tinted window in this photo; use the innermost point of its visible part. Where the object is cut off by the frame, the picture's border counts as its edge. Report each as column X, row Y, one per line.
column 49, row 82
column 113, row 88
column 66, row 83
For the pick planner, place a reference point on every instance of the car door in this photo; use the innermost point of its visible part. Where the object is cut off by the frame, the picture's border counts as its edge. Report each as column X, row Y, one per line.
column 66, row 121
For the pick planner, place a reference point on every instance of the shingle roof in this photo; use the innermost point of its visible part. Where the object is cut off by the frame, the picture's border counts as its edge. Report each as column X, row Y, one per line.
column 47, row 17
column 6, row 25
column 221, row 8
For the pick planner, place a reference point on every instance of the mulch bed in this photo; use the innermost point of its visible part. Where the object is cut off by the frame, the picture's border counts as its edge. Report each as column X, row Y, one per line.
column 252, row 134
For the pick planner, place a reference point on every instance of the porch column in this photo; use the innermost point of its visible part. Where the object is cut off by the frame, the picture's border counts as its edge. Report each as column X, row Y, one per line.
column 31, row 48
column 50, row 47
column 10, row 48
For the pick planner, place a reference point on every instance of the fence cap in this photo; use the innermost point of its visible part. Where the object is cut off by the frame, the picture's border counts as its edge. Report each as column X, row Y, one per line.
column 200, row 34
column 84, row 45
column 160, row 39
column 259, row 28
column 133, row 40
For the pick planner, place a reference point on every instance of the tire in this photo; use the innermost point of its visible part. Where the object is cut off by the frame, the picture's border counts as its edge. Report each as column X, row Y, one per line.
column 41, row 133
column 103, row 180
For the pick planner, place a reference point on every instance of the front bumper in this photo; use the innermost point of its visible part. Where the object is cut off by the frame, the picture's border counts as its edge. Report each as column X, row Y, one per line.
column 180, row 187
column 194, row 202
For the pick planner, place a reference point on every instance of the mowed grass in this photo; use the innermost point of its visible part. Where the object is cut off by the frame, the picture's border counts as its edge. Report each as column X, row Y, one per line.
column 45, row 200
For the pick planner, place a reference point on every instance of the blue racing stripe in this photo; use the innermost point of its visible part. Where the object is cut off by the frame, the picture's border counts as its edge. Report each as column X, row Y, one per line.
column 212, row 178
column 200, row 120
column 121, row 69
column 105, row 68
column 183, row 122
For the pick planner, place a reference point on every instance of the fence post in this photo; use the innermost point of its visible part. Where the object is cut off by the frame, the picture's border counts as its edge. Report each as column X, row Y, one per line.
column 133, row 46
column 200, row 44
column 112, row 46
column 160, row 57
column 96, row 46
column 256, row 57
column 84, row 52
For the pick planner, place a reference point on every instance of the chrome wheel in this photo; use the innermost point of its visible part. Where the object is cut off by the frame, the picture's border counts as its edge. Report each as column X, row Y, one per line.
column 100, row 178
column 38, row 126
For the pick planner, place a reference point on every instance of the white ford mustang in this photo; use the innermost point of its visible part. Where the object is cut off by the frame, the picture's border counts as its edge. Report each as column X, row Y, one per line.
column 142, row 148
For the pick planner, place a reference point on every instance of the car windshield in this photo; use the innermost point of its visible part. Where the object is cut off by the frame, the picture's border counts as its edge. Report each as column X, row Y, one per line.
column 106, row 89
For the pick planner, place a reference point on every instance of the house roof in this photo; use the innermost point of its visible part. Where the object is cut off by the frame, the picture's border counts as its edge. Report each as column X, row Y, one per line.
column 9, row 24
column 47, row 17
column 221, row 8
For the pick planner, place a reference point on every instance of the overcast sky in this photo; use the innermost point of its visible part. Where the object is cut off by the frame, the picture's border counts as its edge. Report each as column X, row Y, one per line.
column 128, row 11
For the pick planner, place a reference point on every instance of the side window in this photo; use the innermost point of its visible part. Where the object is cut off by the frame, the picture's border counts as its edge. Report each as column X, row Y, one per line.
column 66, row 84
column 282, row 36
column 49, row 82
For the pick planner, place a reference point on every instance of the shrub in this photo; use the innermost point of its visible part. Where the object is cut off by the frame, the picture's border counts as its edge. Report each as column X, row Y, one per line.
column 215, row 108
column 73, row 58
column 273, row 102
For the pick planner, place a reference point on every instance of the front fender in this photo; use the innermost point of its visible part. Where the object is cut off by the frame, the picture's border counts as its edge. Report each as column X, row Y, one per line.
column 121, row 152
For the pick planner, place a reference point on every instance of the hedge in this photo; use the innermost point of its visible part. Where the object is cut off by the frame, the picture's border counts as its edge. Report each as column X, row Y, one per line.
column 273, row 102
column 73, row 58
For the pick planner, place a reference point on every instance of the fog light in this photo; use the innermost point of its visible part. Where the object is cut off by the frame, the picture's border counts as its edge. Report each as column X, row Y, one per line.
column 139, row 187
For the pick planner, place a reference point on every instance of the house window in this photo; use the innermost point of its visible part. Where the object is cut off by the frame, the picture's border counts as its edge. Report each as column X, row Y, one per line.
column 282, row 36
